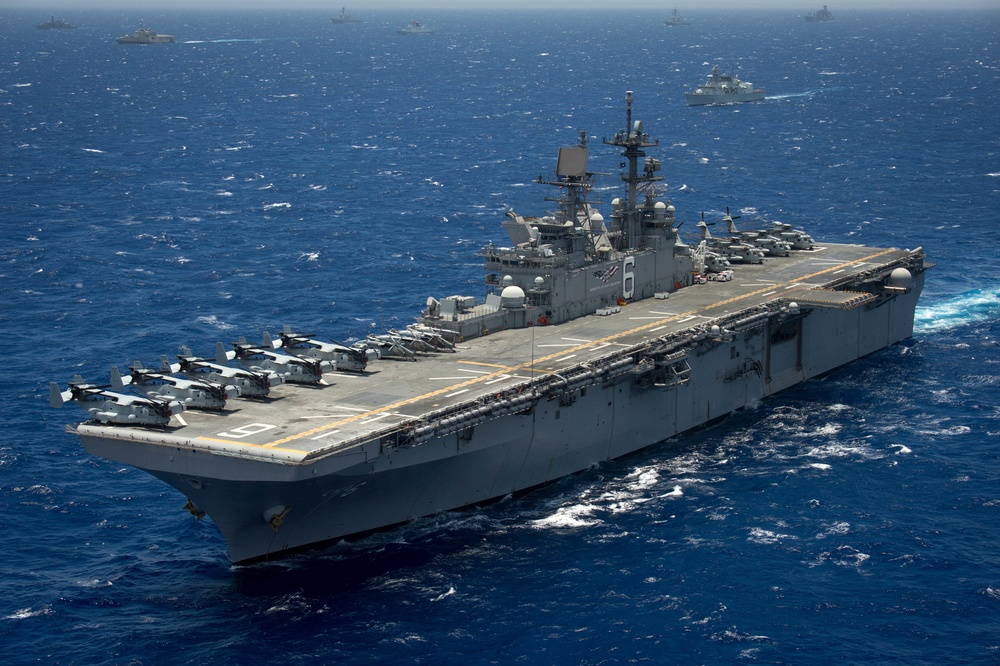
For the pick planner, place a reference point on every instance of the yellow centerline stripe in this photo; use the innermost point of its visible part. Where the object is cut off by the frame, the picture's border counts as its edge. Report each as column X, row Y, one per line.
column 528, row 364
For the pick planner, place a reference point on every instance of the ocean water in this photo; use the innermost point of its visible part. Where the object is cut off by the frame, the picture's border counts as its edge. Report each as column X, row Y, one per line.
column 272, row 168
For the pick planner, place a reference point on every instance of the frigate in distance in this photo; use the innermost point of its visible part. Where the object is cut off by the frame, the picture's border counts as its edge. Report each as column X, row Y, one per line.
column 596, row 338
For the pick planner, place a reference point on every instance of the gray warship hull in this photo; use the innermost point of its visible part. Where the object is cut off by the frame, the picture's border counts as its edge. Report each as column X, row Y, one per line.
column 704, row 99
column 521, row 407
column 596, row 338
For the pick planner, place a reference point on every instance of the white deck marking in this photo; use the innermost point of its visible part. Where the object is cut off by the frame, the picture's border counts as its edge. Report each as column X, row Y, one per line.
column 325, row 434
column 452, row 395
column 327, row 416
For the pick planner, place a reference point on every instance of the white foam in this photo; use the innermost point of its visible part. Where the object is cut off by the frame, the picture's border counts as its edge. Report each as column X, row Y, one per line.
column 969, row 307
column 578, row 515
column 760, row 535
column 443, row 595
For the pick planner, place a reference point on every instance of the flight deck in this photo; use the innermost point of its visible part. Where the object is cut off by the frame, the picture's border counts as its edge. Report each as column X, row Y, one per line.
column 299, row 422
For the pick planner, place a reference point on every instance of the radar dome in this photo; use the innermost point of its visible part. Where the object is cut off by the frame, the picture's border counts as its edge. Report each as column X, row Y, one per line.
column 512, row 297
column 900, row 278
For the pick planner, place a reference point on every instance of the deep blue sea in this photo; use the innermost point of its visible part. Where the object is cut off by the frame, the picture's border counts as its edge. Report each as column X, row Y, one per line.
column 274, row 168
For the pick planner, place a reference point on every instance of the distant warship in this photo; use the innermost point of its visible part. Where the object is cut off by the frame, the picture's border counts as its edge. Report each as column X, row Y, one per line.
column 723, row 89
column 597, row 337
column 677, row 20
column 345, row 17
column 822, row 15
column 415, row 28
column 146, row 36
column 55, row 24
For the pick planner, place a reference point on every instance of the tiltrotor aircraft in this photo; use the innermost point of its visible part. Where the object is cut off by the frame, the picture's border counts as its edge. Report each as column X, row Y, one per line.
column 798, row 239
column 192, row 393
column 772, row 246
column 114, row 407
column 341, row 357
column 259, row 357
column 249, row 383
column 733, row 249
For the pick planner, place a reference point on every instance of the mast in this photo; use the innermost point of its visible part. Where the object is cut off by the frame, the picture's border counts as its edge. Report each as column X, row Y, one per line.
column 633, row 139
column 573, row 178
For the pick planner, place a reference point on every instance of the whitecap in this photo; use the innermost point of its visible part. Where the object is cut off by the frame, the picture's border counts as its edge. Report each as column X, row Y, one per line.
column 212, row 320
column 91, row 150
column 275, row 206
column 837, row 529
column 762, row 536
column 25, row 613
column 676, row 492
column 569, row 517
column 443, row 595
column 970, row 307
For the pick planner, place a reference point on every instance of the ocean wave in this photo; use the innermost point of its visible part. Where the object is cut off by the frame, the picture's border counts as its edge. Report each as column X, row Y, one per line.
column 970, row 307
column 25, row 613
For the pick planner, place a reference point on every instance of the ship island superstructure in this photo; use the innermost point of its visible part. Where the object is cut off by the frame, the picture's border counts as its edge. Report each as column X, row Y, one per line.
column 596, row 338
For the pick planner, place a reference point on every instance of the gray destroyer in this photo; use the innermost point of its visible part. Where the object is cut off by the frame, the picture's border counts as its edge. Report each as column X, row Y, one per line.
column 597, row 337
column 723, row 89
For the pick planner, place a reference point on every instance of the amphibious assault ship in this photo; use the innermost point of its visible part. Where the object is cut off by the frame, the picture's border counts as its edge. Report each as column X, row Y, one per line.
column 596, row 338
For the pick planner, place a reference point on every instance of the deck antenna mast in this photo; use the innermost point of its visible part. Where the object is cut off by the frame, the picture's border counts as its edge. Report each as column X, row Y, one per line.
column 572, row 177
column 633, row 139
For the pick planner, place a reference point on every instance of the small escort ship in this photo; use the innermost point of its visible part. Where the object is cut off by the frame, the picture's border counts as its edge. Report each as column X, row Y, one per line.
column 146, row 36
column 676, row 20
column 344, row 17
column 597, row 337
column 822, row 15
column 55, row 24
column 723, row 89
column 415, row 28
